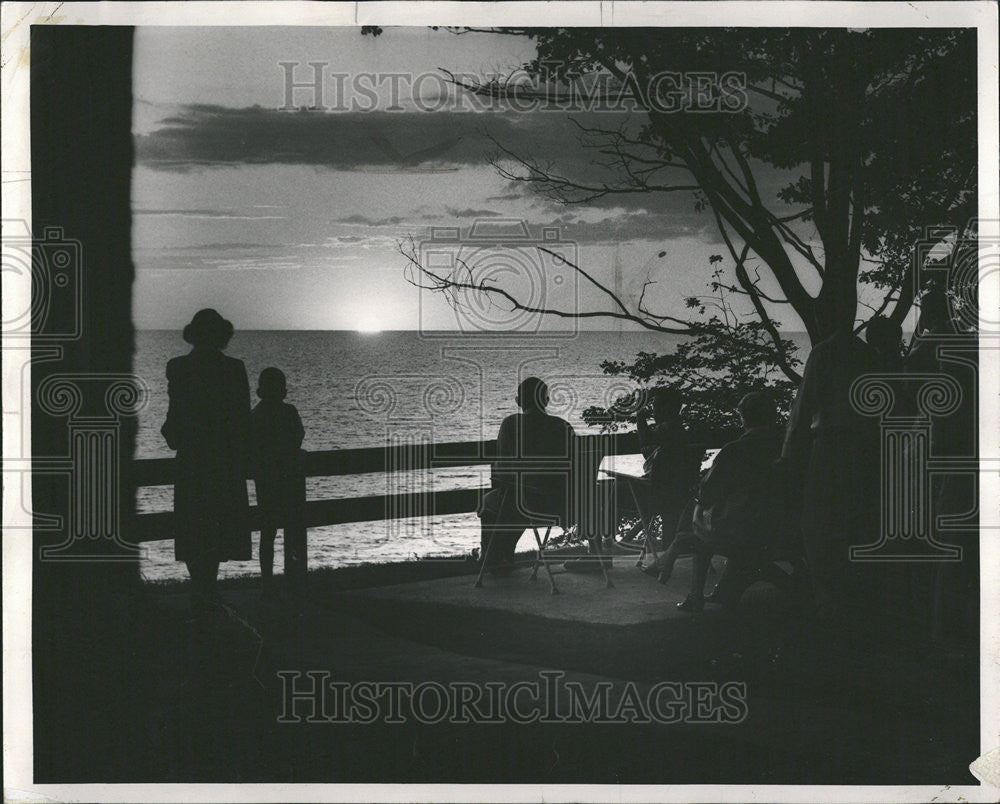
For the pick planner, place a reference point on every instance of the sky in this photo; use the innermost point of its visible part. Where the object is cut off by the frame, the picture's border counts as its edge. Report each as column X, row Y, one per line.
column 286, row 219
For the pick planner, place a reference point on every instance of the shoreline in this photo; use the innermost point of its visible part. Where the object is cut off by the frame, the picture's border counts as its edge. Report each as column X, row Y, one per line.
column 373, row 574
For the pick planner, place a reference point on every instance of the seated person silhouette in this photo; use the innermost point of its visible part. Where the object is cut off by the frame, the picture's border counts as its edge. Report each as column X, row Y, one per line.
column 659, row 442
column 738, row 499
column 670, row 468
column 279, row 480
column 520, row 497
column 885, row 337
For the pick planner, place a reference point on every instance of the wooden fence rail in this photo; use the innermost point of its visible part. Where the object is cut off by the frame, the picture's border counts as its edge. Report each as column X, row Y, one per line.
column 391, row 458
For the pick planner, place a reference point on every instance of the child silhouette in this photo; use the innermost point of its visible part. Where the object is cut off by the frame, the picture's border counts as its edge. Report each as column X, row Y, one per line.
column 278, row 477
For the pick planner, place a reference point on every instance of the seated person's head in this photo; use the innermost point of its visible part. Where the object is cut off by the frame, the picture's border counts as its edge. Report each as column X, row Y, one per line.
column 532, row 394
column 935, row 312
column 271, row 384
column 667, row 403
column 884, row 336
column 757, row 410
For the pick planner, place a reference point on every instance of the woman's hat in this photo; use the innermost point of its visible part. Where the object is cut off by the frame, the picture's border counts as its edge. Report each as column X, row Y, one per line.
column 208, row 328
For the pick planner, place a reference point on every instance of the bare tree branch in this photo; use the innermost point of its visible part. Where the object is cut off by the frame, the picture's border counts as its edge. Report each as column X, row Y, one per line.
column 450, row 285
column 751, row 289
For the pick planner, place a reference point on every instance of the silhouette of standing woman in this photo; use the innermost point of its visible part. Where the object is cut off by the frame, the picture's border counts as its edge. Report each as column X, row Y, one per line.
column 208, row 424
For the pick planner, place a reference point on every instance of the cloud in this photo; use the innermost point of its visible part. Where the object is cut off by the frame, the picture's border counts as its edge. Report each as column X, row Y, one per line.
column 516, row 194
column 364, row 220
column 215, row 136
column 582, row 226
column 205, row 263
column 209, row 214
column 201, row 136
column 472, row 213
column 367, row 242
column 628, row 226
column 218, row 247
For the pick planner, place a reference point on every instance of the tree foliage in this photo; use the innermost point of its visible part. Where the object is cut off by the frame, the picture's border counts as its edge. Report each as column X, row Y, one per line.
column 724, row 357
column 873, row 131
column 845, row 150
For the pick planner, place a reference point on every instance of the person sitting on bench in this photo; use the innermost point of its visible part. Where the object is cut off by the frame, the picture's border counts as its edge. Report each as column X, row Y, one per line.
column 736, row 499
column 520, row 498
column 669, row 468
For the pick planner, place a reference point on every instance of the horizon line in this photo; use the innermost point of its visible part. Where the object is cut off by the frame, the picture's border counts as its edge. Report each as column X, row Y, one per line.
column 563, row 332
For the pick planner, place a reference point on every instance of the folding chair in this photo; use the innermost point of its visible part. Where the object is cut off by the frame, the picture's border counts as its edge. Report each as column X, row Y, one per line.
column 644, row 489
column 540, row 559
column 542, row 541
column 638, row 488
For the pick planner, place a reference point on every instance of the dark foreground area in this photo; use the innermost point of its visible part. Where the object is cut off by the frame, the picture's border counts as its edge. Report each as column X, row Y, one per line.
column 202, row 700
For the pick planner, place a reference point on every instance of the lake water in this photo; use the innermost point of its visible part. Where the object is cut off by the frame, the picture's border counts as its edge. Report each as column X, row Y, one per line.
column 365, row 390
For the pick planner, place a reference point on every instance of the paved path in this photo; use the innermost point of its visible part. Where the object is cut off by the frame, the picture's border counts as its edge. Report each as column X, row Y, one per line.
column 799, row 726
column 635, row 597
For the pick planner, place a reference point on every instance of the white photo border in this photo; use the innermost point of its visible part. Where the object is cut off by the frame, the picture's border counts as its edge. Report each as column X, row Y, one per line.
column 17, row 17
